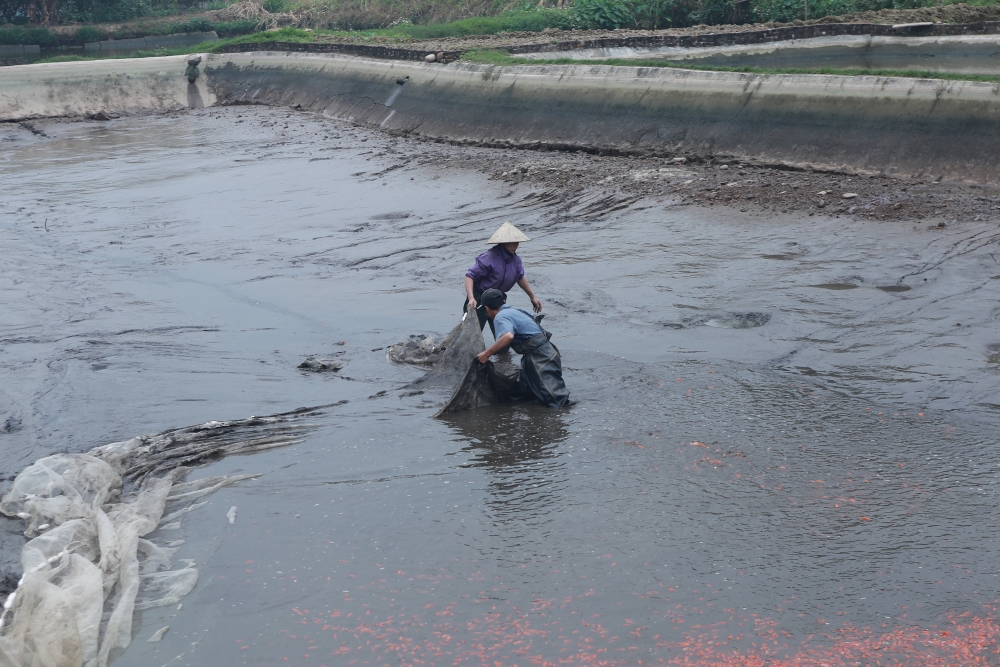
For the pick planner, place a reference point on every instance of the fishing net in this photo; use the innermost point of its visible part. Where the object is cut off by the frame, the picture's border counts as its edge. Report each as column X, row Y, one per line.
column 462, row 381
column 94, row 557
column 422, row 350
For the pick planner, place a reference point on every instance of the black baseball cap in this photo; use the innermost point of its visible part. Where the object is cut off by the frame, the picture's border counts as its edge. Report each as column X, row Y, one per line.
column 493, row 298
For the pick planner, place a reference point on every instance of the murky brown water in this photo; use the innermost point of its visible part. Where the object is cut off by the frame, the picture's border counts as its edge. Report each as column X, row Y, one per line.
column 756, row 469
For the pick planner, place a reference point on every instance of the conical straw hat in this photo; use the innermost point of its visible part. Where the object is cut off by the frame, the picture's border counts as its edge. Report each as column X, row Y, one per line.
column 508, row 233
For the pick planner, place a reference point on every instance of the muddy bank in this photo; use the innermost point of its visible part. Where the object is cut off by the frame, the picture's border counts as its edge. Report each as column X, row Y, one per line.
column 753, row 189
column 904, row 127
column 781, row 417
column 874, row 125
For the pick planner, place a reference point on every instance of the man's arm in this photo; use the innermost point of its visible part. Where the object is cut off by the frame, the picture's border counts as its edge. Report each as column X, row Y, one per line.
column 535, row 303
column 469, row 285
column 502, row 343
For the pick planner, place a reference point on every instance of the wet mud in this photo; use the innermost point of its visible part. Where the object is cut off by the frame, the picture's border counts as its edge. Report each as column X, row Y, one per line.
column 783, row 448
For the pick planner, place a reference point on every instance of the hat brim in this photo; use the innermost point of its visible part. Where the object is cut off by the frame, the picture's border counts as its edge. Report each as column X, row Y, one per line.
column 507, row 237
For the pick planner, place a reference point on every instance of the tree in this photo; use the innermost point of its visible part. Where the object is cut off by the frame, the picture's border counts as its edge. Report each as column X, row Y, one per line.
column 43, row 12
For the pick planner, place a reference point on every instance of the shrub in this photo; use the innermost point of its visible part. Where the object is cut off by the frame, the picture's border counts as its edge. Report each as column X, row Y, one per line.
column 102, row 11
column 711, row 12
column 655, row 14
column 28, row 35
column 275, row 6
column 88, row 34
column 534, row 20
column 200, row 24
column 645, row 14
column 234, row 28
column 282, row 35
column 606, row 14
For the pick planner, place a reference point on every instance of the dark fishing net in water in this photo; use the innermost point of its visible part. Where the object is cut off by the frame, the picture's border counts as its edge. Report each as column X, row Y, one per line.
column 463, row 382
column 94, row 557
column 422, row 350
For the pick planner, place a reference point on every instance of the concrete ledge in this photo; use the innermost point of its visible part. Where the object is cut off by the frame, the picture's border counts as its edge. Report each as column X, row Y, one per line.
column 764, row 36
column 18, row 50
column 363, row 50
column 968, row 54
column 112, row 86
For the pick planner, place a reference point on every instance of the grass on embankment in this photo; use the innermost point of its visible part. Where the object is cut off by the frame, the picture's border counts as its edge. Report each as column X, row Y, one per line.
column 502, row 58
column 48, row 39
column 534, row 20
column 283, row 35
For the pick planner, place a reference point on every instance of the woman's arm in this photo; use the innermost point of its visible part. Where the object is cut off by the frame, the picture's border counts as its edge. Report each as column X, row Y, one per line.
column 535, row 303
column 469, row 285
column 499, row 346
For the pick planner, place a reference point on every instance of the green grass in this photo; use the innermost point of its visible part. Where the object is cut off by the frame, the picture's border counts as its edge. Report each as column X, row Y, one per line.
column 517, row 21
column 48, row 39
column 204, row 47
column 283, row 35
column 27, row 35
column 534, row 20
column 294, row 35
column 502, row 58
column 427, row 19
column 65, row 59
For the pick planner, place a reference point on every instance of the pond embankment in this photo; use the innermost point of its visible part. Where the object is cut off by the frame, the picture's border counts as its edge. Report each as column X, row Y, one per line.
column 967, row 54
column 897, row 126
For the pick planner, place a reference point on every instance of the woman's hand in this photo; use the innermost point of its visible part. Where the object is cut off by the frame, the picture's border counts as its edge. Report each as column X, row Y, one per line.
column 470, row 289
column 535, row 303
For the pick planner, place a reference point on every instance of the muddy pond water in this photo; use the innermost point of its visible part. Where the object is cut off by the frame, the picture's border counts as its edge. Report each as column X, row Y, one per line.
column 777, row 452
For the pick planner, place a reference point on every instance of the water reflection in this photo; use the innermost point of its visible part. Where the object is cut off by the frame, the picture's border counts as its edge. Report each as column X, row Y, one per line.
column 519, row 446
column 502, row 436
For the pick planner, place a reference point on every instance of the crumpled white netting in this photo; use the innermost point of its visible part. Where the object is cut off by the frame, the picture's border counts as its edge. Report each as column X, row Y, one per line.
column 89, row 566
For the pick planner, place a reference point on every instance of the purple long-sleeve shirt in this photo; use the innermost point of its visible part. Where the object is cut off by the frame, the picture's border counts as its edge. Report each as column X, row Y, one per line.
column 497, row 268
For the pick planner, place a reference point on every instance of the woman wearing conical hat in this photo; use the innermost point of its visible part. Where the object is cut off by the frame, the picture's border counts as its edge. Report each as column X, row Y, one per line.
column 498, row 268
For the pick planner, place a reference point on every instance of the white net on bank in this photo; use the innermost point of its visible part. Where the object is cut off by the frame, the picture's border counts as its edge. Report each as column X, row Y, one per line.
column 89, row 564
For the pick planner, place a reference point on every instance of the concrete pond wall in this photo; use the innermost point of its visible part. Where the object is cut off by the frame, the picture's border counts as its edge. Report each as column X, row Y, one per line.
column 83, row 88
column 909, row 127
column 17, row 50
column 965, row 54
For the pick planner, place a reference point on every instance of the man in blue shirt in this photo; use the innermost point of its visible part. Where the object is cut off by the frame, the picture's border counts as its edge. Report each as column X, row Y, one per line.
column 541, row 363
